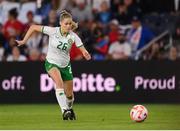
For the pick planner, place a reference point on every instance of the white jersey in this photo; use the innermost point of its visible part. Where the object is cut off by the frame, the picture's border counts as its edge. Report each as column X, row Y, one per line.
column 59, row 46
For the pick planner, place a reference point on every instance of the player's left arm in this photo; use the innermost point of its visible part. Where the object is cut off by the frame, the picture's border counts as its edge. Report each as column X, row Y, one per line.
column 85, row 53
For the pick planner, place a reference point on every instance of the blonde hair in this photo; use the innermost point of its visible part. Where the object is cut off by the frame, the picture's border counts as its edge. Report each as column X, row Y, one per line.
column 64, row 14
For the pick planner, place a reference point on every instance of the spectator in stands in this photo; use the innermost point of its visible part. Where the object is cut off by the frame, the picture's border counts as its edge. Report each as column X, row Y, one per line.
column 173, row 53
column 119, row 50
column 16, row 55
column 101, row 47
column 51, row 19
column 82, row 12
column 104, row 16
column 138, row 36
column 100, row 42
column 13, row 27
column 114, row 31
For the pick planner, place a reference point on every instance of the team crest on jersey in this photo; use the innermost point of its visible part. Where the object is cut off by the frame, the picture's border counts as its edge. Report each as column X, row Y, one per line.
column 70, row 41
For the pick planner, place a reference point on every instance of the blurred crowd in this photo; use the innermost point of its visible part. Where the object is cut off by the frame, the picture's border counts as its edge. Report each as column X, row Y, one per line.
column 109, row 29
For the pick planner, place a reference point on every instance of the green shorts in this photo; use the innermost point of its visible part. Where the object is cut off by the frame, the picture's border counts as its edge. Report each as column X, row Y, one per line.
column 66, row 72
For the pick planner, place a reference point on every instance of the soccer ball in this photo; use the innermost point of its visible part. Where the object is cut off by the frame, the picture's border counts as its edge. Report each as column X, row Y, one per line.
column 138, row 113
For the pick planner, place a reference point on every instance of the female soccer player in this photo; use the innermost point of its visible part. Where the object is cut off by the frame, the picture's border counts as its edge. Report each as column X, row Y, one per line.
column 57, row 62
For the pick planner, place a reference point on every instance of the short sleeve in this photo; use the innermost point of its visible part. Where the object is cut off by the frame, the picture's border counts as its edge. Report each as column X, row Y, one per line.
column 48, row 30
column 77, row 40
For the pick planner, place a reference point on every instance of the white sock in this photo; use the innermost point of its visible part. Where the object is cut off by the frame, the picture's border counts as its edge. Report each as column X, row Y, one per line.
column 69, row 102
column 61, row 98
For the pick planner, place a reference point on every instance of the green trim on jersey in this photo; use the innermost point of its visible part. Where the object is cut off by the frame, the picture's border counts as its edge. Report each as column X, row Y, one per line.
column 42, row 29
column 66, row 72
column 62, row 34
column 80, row 46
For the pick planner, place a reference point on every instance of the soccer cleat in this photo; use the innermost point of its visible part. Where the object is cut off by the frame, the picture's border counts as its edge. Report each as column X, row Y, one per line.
column 66, row 114
column 72, row 116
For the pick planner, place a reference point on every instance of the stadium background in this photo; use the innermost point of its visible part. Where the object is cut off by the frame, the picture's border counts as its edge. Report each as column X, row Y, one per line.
column 135, row 48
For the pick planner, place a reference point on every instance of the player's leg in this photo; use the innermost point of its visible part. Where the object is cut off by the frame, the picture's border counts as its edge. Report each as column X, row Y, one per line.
column 60, row 93
column 67, row 77
column 70, row 97
column 68, row 86
column 54, row 73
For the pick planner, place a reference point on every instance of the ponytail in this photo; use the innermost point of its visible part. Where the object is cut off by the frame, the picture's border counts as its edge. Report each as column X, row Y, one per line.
column 74, row 25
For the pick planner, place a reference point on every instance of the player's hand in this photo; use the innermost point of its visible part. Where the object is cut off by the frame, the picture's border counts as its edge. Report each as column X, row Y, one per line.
column 20, row 42
column 86, row 55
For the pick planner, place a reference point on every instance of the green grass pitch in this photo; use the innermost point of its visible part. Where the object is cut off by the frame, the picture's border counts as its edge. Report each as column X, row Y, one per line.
column 89, row 116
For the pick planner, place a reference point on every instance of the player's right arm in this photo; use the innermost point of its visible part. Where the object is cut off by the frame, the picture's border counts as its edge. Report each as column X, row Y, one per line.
column 30, row 31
